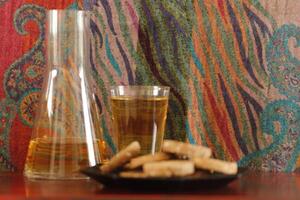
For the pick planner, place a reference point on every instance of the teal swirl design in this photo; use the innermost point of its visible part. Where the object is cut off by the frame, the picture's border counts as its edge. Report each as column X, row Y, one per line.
column 284, row 70
column 280, row 120
column 284, row 67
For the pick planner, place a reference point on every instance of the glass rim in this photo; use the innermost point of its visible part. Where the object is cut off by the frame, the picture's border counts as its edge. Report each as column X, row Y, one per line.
column 147, row 87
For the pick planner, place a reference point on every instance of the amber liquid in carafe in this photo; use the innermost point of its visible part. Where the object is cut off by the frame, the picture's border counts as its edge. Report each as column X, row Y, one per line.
column 140, row 118
column 48, row 157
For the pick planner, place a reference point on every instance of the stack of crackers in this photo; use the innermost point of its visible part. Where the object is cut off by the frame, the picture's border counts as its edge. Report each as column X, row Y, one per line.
column 176, row 159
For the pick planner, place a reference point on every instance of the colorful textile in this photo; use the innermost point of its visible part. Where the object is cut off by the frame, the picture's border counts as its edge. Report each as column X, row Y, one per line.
column 233, row 67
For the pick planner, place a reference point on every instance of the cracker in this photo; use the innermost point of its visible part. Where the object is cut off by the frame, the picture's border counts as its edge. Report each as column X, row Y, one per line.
column 169, row 168
column 212, row 165
column 131, row 151
column 133, row 174
column 186, row 150
column 141, row 160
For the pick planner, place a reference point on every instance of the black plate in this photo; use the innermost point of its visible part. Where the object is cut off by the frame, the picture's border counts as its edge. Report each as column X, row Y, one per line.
column 198, row 180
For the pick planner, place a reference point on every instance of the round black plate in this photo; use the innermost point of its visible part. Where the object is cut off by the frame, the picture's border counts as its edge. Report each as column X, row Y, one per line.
column 198, row 180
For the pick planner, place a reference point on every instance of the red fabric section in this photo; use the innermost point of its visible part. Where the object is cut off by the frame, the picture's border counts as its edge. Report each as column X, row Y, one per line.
column 221, row 7
column 53, row 4
column 18, row 143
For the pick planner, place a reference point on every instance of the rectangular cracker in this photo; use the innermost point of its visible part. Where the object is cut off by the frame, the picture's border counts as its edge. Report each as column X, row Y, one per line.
column 186, row 150
column 169, row 168
column 131, row 151
column 133, row 174
column 212, row 165
column 141, row 160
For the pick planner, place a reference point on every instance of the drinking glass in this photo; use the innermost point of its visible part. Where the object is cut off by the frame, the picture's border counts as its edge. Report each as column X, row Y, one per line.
column 66, row 134
column 139, row 114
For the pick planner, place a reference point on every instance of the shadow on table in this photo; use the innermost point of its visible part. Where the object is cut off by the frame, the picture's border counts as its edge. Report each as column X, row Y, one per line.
column 222, row 190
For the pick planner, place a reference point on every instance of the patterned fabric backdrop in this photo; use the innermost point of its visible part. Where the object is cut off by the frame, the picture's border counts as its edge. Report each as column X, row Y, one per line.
column 233, row 67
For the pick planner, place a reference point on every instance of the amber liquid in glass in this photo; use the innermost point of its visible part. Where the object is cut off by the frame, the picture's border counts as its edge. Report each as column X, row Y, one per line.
column 140, row 119
column 45, row 157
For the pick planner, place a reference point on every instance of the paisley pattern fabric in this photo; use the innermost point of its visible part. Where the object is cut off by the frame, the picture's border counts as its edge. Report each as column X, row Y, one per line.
column 233, row 67
column 22, row 65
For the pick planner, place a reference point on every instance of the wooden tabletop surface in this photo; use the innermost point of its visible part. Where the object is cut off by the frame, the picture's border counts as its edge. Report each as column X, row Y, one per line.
column 252, row 185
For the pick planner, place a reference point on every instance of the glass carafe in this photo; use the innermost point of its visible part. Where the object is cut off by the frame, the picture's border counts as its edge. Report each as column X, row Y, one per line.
column 66, row 134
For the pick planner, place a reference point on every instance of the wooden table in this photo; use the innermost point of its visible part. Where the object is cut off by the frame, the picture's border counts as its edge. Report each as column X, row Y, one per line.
column 252, row 185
